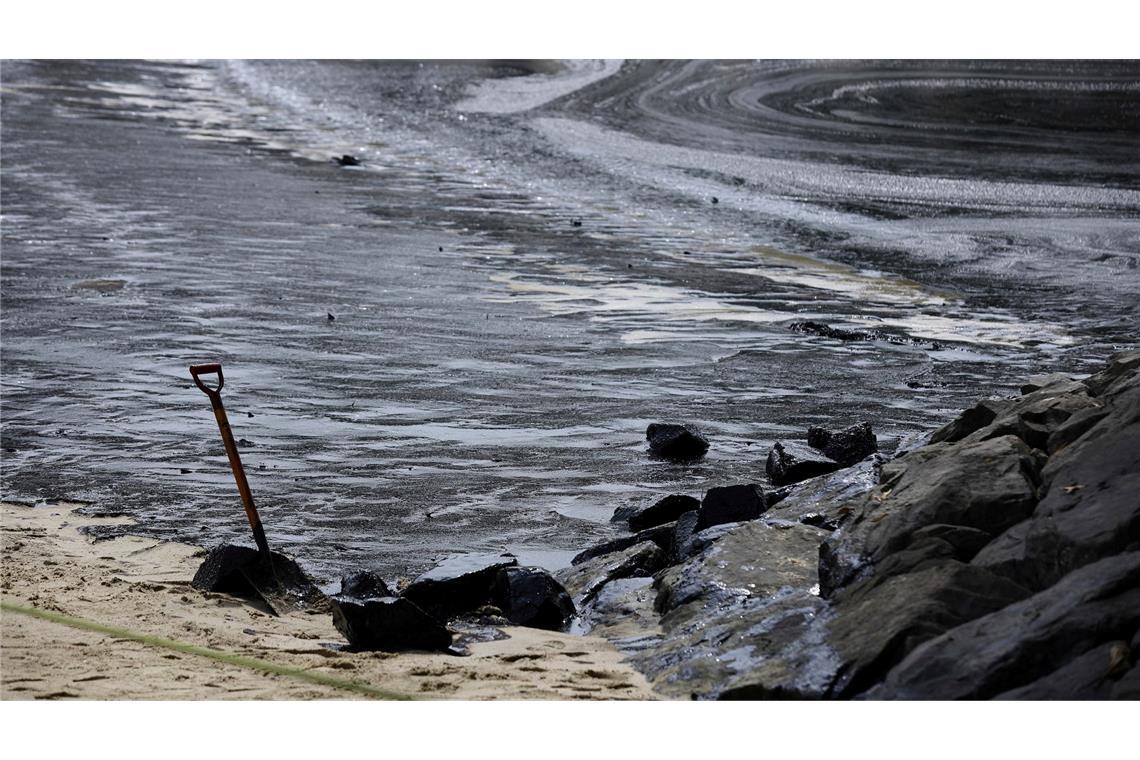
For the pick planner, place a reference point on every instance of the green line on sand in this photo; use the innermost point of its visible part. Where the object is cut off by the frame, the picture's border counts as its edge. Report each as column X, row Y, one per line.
column 228, row 658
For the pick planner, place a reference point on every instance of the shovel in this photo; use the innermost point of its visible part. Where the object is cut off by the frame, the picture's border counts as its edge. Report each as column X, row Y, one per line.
column 274, row 578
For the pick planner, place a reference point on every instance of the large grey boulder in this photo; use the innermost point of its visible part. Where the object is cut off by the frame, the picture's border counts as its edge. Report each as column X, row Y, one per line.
column 828, row 501
column 971, row 420
column 662, row 535
column 1092, row 675
column 1091, row 508
column 880, row 620
column 1025, row 641
column 987, row 485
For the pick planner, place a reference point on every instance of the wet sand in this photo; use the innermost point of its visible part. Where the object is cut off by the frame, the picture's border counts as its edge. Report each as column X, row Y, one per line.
column 143, row 585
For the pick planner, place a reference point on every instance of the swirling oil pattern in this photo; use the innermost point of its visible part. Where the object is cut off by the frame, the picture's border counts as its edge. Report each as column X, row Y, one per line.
column 457, row 345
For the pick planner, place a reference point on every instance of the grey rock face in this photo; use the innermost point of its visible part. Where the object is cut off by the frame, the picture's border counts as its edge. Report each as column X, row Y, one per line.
column 987, row 485
column 1092, row 675
column 738, row 605
column 834, row 498
column 1091, row 508
column 1122, row 366
column 970, row 421
column 880, row 620
column 750, row 558
column 584, row 581
column 1017, row 645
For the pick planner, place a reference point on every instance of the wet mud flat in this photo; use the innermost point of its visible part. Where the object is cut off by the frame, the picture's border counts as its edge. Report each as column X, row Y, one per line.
column 399, row 402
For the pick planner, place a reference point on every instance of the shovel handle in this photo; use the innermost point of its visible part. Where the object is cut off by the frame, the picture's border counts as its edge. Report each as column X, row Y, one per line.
column 215, row 394
column 214, row 368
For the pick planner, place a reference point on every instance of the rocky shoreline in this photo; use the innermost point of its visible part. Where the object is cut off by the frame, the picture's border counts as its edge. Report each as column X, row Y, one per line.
column 997, row 557
column 1001, row 559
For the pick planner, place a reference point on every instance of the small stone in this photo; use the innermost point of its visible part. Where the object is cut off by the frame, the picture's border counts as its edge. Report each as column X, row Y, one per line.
column 791, row 463
column 847, row 446
column 662, row 511
column 675, row 441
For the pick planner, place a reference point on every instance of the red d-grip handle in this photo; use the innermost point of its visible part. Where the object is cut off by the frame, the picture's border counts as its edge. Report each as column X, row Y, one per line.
column 196, row 370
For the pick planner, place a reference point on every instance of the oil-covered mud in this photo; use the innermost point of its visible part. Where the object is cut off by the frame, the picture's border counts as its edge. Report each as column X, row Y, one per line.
column 457, row 345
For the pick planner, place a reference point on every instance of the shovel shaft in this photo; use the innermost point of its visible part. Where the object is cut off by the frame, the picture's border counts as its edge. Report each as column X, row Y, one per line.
column 239, row 475
column 215, row 395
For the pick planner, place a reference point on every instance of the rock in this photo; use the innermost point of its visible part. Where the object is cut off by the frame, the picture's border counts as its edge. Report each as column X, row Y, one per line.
column 1036, row 416
column 347, row 160
column 364, row 584
column 971, row 420
column 458, row 585
column 988, row 485
column 622, row 611
column 829, row 499
column 660, row 512
column 1025, row 641
column 1122, row 365
column 1128, row 687
column 846, row 446
column 682, row 545
column 530, row 596
column 243, row 572
column 1088, row 676
column 1090, row 508
column 876, row 624
column 662, row 535
column 584, row 581
column 791, row 463
column 776, row 495
column 1053, row 379
column 223, row 570
column 964, row 542
column 738, row 610
column 827, row 331
column 676, row 442
column 390, row 624
column 1075, row 427
column 749, row 559
column 725, row 504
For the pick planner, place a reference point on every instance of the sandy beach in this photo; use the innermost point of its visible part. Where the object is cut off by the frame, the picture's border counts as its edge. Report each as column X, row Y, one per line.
column 143, row 586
